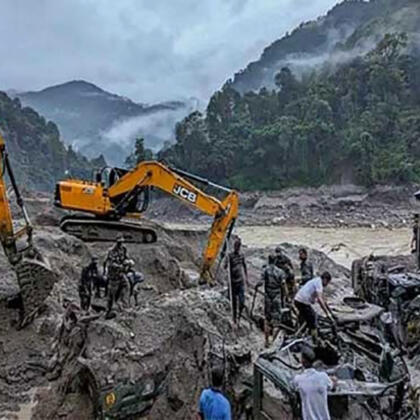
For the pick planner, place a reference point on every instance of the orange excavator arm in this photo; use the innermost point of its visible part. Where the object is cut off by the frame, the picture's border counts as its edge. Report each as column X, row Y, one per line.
column 116, row 200
column 7, row 235
column 34, row 275
column 174, row 182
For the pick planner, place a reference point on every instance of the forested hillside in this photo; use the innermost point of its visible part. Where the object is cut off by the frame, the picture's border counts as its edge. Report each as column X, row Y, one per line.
column 38, row 156
column 352, row 121
column 350, row 28
column 95, row 121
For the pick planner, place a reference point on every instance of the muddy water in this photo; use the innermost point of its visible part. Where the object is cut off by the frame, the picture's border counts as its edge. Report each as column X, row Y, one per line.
column 343, row 245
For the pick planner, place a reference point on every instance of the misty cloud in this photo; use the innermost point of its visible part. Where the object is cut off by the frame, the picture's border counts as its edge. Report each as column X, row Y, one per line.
column 147, row 50
column 155, row 128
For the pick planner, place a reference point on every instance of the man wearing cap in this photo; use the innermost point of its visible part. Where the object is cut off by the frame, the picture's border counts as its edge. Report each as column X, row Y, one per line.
column 118, row 252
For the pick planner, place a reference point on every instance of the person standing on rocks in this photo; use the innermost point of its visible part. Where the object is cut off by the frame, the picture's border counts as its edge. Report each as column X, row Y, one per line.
column 239, row 279
column 116, row 283
column 313, row 388
column 306, row 297
column 275, row 290
column 117, row 253
column 306, row 267
column 213, row 404
column 85, row 284
column 283, row 262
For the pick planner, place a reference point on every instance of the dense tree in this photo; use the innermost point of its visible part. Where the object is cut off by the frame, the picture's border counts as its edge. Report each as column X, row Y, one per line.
column 357, row 121
column 139, row 154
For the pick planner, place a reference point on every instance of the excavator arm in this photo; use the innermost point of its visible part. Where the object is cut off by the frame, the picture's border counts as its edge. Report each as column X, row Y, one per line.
column 115, row 201
column 171, row 181
column 8, row 237
column 34, row 275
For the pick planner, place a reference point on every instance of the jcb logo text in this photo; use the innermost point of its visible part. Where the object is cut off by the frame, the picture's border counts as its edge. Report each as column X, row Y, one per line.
column 184, row 193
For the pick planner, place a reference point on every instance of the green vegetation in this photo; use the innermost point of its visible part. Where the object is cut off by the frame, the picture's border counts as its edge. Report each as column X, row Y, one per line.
column 358, row 122
column 38, row 156
column 139, row 154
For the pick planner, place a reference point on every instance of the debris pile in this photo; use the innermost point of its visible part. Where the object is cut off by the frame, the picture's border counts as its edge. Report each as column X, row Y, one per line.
column 152, row 359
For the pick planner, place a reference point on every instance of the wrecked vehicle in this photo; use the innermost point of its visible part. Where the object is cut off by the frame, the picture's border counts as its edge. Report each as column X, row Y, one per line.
column 390, row 283
column 372, row 381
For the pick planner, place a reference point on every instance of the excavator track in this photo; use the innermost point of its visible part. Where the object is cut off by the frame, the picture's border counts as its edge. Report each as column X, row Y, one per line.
column 90, row 229
column 36, row 280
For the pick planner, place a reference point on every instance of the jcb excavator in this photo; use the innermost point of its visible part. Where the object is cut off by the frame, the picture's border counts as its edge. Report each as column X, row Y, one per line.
column 34, row 274
column 117, row 193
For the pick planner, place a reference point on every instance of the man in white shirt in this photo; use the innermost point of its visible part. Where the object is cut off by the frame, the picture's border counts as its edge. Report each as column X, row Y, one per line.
column 310, row 293
column 313, row 389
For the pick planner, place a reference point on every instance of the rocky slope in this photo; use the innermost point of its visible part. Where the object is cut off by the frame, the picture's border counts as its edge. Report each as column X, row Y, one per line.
column 38, row 156
column 97, row 122
column 325, row 207
column 166, row 344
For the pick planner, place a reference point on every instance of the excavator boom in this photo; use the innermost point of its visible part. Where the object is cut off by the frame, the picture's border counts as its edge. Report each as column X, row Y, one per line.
column 34, row 275
column 126, row 195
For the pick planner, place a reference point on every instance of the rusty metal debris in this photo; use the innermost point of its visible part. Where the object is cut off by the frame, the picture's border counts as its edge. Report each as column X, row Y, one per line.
column 369, row 385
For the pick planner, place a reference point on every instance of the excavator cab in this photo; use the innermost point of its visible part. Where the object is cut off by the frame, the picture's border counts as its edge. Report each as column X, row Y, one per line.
column 34, row 274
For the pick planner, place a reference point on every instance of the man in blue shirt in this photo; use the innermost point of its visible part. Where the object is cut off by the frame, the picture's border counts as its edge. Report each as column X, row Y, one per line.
column 213, row 404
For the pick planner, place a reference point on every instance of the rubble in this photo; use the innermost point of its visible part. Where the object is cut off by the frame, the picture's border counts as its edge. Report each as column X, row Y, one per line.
column 159, row 352
column 363, row 389
column 394, row 284
column 328, row 206
column 153, row 359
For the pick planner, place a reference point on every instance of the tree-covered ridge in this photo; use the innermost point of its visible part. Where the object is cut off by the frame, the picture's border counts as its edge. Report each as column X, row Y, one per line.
column 358, row 122
column 38, row 156
column 351, row 26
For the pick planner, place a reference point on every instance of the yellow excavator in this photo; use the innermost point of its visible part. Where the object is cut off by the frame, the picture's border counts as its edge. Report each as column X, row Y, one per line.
column 116, row 195
column 34, row 274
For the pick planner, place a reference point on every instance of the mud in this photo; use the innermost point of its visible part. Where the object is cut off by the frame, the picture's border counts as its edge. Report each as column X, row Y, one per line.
column 171, row 339
column 180, row 329
column 326, row 207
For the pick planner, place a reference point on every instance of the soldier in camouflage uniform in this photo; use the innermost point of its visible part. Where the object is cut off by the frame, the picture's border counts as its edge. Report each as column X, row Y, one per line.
column 274, row 280
column 117, row 253
column 283, row 262
column 114, row 268
column 115, row 285
column 306, row 267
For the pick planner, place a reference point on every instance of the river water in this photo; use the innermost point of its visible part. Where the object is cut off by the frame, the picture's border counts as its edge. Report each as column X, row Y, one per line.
column 343, row 245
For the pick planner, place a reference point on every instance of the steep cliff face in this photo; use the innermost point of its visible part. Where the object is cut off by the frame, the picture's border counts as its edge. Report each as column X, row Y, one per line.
column 37, row 153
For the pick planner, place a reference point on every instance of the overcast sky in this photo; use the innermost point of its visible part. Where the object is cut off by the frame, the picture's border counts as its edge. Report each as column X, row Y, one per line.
column 148, row 50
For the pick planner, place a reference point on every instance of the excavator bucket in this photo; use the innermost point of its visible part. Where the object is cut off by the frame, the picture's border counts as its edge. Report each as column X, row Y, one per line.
column 36, row 280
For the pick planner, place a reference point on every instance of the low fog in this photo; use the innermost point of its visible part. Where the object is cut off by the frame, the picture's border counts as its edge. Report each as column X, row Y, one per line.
column 148, row 51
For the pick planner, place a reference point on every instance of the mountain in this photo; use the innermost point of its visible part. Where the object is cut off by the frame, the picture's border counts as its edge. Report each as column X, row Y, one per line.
column 355, row 117
column 38, row 156
column 350, row 28
column 95, row 121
